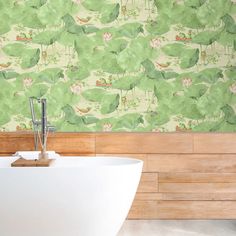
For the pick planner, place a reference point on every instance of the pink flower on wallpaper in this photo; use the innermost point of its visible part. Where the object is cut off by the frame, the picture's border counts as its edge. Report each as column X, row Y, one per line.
column 155, row 43
column 76, row 88
column 107, row 127
column 232, row 88
column 27, row 82
column 107, row 36
column 186, row 82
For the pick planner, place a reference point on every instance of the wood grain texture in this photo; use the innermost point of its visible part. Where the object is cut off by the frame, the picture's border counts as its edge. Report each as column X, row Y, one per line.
column 197, row 187
column 148, row 183
column 185, row 175
column 202, row 163
column 12, row 144
column 82, row 144
column 186, row 196
column 21, row 162
column 62, row 143
column 144, row 143
column 214, row 143
column 183, row 210
column 172, row 177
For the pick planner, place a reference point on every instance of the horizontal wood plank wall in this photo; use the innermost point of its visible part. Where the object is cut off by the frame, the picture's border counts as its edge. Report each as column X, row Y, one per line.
column 185, row 175
column 63, row 143
column 144, row 143
column 196, row 173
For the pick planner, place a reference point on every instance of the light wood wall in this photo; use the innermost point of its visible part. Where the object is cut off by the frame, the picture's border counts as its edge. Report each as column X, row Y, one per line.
column 185, row 175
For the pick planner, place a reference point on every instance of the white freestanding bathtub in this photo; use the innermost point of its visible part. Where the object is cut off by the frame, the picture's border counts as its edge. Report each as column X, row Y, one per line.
column 76, row 196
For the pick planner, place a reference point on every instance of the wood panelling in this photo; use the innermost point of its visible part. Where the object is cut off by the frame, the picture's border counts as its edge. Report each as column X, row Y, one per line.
column 206, row 163
column 83, row 144
column 172, row 177
column 197, row 187
column 185, row 175
column 63, row 143
column 12, row 144
column 214, row 143
column 183, row 210
column 148, row 183
column 186, row 196
column 144, row 143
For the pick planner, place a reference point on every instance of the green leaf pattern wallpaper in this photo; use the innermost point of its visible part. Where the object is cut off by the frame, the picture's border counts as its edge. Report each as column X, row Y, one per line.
column 119, row 65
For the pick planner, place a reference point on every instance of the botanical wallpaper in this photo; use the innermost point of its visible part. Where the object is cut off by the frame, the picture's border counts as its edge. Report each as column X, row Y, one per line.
column 119, row 65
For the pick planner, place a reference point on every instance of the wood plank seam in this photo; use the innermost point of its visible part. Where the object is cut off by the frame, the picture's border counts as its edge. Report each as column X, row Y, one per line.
column 183, row 196
column 220, row 160
column 190, row 177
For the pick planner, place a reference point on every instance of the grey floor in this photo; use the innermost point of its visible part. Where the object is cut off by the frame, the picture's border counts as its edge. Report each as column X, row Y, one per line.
column 178, row 228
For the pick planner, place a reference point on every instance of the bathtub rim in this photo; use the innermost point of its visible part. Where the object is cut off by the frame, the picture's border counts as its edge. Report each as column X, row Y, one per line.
column 115, row 162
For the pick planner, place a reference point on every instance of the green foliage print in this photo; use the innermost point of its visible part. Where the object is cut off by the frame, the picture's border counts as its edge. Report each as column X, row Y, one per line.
column 119, row 65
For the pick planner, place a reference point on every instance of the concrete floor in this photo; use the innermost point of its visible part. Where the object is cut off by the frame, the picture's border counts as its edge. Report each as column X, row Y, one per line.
column 178, row 228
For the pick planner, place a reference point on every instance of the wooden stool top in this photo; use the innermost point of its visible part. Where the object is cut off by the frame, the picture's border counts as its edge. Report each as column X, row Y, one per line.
column 21, row 162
